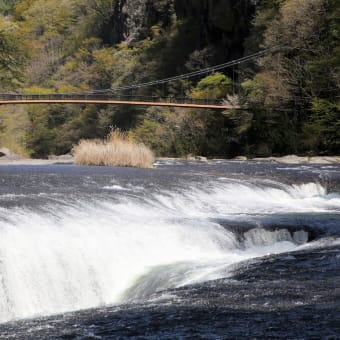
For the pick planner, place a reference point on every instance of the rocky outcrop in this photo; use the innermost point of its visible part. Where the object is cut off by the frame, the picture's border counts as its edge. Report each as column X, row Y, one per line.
column 293, row 159
column 210, row 22
column 132, row 20
column 224, row 22
column 6, row 154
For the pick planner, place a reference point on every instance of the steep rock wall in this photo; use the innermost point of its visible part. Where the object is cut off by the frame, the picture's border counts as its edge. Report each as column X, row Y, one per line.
column 132, row 20
column 223, row 24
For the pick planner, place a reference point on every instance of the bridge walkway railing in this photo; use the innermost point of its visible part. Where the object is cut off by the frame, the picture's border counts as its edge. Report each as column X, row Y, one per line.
column 126, row 98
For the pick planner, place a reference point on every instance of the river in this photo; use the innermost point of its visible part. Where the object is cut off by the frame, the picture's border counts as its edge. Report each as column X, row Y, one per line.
column 214, row 250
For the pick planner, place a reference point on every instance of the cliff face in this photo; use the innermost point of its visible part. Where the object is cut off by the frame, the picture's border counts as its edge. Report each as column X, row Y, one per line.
column 126, row 23
column 223, row 24
column 132, row 20
column 220, row 23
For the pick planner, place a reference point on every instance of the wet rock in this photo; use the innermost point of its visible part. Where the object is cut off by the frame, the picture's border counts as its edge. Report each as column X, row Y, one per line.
column 66, row 157
column 190, row 157
column 294, row 159
column 240, row 158
column 201, row 158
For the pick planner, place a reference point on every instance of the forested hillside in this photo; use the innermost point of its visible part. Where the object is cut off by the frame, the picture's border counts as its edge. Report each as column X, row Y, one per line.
column 290, row 97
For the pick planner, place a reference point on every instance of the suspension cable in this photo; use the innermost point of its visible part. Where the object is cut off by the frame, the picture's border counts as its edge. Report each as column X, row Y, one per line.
column 188, row 75
column 181, row 76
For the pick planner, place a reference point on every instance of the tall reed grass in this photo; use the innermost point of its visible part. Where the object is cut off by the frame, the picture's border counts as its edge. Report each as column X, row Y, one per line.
column 118, row 149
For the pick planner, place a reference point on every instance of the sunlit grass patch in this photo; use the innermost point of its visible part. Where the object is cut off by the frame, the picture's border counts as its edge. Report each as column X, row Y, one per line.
column 118, row 149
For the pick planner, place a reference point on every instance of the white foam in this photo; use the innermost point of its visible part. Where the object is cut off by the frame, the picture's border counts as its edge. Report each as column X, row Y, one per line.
column 89, row 254
column 116, row 187
column 86, row 257
column 240, row 197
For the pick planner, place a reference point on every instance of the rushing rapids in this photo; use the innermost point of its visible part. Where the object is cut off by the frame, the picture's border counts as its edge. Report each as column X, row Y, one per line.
column 76, row 238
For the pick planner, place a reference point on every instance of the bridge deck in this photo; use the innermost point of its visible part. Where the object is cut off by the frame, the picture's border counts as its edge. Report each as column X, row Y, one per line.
column 12, row 99
column 117, row 102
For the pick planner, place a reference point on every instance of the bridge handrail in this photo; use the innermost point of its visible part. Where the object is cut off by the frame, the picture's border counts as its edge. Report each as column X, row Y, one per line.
column 139, row 98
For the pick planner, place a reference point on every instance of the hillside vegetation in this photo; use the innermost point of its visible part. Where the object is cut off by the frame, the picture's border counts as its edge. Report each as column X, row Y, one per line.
column 290, row 97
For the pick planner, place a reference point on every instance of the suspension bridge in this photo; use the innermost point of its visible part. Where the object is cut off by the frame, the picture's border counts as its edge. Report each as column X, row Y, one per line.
column 185, row 102
column 114, row 96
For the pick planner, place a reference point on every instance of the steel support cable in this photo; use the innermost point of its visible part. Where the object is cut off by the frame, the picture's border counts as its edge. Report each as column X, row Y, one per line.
column 169, row 79
column 187, row 75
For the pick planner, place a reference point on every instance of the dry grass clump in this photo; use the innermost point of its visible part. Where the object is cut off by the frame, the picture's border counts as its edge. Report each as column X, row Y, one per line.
column 118, row 149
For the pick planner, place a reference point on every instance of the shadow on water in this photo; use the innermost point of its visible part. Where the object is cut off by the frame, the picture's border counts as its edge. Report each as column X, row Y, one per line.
column 275, row 297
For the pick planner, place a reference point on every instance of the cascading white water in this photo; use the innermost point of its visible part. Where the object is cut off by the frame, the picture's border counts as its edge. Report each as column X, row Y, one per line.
column 89, row 254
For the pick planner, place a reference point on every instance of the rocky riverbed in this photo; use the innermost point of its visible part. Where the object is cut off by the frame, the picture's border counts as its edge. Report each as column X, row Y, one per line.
column 14, row 159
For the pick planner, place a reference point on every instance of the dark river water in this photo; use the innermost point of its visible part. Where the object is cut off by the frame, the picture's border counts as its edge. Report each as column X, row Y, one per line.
column 187, row 250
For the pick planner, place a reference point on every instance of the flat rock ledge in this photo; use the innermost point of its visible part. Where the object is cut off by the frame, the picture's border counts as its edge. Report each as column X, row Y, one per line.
column 293, row 159
column 26, row 161
column 13, row 159
column 8, row 157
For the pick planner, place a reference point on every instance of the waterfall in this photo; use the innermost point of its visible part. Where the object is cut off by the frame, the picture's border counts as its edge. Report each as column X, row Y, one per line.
column 91, row 253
